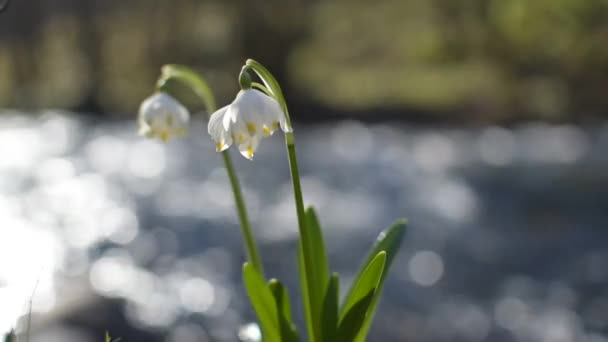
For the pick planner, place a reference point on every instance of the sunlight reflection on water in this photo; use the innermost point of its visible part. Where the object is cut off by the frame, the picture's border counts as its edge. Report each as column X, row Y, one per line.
column 155, row 225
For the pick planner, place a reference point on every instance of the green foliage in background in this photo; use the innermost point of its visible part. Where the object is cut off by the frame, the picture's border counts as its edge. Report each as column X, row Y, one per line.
column 487, row 59
column 498, row 58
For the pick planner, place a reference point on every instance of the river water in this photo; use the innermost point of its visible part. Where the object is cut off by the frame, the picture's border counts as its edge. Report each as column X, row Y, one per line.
column 101, row 229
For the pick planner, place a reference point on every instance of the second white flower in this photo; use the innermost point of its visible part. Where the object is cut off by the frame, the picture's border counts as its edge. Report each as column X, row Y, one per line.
column 250, row 117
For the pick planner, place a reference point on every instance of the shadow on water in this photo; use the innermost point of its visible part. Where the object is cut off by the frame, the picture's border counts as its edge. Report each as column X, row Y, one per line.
column 507, row 238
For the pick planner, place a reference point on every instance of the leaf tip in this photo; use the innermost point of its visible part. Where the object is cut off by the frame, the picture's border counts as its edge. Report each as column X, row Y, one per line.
column 402, row 221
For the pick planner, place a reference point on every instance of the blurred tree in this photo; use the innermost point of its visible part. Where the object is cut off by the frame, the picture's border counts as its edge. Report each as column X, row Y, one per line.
column 488, row 60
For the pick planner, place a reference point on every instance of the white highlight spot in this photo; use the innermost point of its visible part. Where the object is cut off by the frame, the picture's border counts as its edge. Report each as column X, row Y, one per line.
column 197, row 295
column 426, row 268
column 250, row 333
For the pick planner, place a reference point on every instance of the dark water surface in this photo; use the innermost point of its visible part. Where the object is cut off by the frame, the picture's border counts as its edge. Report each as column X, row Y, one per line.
column 507, row 237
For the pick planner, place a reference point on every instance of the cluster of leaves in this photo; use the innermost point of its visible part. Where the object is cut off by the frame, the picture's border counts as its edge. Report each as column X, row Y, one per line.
column 326, row 319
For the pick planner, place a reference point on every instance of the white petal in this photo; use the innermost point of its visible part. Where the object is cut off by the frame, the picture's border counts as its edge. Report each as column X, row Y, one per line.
column 215, row 126
column 247, row 106
column 216, row 129
column 248, row 147
column 231, row 116
column 224, row 142
column 273, row 113
column 238, row 131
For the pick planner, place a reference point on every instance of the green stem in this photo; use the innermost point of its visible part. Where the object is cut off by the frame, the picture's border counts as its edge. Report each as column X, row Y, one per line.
column 306, row 238
column 252, row 252
column 297, row 187
column 271, row 87
column 200, row 88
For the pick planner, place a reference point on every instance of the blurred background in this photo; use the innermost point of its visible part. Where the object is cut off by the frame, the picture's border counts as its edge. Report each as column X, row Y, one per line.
column 482, row 121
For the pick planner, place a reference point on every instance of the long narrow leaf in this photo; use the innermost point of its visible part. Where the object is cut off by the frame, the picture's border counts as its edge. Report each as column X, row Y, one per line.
column 366, row 283
column 320, row 276
column 329, row 315
column 316, row 276
column 263, row 303
column 288, row 329
column 305, row 296
column 390, row 242
column 354, row 318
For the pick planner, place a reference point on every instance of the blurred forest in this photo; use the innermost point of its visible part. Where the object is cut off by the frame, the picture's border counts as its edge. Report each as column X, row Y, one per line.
column 465, row 60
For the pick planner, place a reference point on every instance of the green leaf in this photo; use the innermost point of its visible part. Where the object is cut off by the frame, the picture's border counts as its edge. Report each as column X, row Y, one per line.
column 365, row 283
column 263, row 303
column 318, row 274
column 320, row 264
column 281, row 297
column 329, row 315
column 305, row 295
column 315, row 278
column 351, row 324
column 389, row 241
column 289, row 332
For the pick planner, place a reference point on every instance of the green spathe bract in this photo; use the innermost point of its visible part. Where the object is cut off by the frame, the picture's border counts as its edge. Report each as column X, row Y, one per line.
column 326, row 319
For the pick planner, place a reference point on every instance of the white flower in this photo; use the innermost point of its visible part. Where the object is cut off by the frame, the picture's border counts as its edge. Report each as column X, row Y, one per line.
column 250, row 117
column 161, row 116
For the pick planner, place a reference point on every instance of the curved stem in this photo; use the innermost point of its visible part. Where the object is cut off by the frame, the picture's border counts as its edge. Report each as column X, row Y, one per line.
column 273, row 89
column 271, row 84
column 200, row 87
column 192, row 79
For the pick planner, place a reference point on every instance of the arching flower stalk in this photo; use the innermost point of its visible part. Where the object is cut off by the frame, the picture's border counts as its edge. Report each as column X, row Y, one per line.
column 161, row 116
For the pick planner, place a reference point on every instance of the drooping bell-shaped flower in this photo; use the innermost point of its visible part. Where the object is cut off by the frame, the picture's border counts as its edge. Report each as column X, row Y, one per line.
column 162, row 116
column 250, row 117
